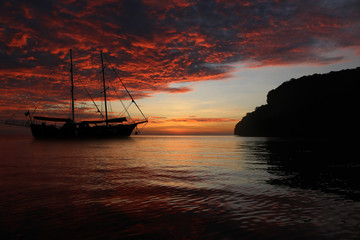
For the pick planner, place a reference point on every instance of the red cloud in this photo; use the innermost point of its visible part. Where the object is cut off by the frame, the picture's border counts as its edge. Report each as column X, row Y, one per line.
column 153, row 44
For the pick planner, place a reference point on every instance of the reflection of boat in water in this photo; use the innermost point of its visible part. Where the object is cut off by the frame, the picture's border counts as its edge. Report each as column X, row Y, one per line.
column 48, row 127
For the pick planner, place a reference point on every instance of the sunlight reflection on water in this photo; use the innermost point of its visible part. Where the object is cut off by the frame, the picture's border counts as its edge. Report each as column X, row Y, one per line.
column 173, row 187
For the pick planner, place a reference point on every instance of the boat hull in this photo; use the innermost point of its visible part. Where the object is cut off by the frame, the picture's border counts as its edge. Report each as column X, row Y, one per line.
column 76, row 131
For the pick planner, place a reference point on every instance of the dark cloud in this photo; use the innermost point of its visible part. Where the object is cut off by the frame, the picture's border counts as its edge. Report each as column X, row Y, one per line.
column 154, row 43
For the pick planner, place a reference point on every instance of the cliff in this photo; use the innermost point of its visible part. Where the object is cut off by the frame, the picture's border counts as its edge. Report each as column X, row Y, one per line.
column 311, row 106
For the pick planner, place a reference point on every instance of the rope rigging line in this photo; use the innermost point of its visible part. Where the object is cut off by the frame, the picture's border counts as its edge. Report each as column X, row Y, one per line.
column 142, row 127
column 89, row 94
column 56, row 105
column 22, row 101
column 122, row 103
column 132, row 99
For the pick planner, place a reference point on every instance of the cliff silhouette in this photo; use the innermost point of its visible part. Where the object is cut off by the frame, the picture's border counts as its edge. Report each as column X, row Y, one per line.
column 320, row 105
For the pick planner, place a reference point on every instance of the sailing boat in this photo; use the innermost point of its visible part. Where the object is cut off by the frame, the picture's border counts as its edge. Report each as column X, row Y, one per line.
column 46, row 127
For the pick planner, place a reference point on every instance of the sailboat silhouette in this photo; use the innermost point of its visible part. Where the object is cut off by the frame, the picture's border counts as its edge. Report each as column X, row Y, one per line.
column 46, row 127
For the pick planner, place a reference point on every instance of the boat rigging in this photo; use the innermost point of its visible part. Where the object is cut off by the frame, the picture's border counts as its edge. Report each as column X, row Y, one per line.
column 44, row 127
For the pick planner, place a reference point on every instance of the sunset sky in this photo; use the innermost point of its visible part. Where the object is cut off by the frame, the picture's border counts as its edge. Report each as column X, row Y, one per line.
column 193, row 66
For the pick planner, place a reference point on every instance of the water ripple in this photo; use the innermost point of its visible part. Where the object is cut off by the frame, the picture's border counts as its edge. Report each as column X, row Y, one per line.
column 173, row 188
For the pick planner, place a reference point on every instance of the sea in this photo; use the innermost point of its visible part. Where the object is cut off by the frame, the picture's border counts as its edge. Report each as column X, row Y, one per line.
column 179, row 187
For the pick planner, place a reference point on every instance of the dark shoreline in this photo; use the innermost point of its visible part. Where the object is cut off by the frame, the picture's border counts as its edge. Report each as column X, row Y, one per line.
column 320, row 105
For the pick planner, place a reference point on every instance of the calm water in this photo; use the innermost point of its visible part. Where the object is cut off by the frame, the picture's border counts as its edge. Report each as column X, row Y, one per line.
column 178, row 187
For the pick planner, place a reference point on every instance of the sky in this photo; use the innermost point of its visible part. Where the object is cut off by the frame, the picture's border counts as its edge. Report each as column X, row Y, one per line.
column 193, row 66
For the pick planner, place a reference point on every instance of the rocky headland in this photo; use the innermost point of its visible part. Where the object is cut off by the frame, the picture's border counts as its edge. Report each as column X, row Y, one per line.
column 320, row 105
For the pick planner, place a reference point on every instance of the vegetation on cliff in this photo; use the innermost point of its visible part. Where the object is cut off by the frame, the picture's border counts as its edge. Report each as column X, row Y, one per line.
column 311, row 106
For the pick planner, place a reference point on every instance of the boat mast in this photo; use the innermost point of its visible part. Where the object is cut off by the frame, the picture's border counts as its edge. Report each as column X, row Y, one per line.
column 72, row 89
column 103, row 76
